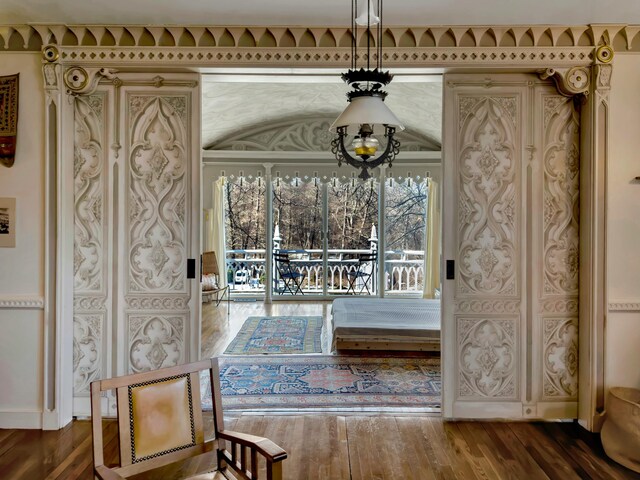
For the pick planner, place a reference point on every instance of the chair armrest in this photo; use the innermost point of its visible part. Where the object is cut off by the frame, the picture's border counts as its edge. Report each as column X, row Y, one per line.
column 266, row 447
column 107, row 474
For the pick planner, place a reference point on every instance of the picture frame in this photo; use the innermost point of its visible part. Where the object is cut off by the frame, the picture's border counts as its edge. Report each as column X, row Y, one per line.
column 7, row 222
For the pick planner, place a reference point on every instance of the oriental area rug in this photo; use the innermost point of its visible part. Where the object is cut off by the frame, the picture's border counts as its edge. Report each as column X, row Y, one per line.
column 277, row 335
column 327, row 382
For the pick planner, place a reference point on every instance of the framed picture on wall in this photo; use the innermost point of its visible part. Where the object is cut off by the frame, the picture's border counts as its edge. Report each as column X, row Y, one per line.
column 7, row 222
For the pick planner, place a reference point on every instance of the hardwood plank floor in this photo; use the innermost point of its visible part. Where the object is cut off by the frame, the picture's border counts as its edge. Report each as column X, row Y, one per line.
column 335, row 447
column 338, row 447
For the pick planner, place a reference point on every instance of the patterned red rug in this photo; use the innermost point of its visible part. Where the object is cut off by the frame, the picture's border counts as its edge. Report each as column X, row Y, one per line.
column 327, row 381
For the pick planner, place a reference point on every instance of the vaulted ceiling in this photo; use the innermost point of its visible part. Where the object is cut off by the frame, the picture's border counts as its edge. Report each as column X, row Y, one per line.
column 324, row 12
column 231, row 108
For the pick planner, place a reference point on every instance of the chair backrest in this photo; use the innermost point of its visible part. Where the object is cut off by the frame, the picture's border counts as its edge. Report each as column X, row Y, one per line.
column 283, row 262
column 159, row 416
column 210, row 264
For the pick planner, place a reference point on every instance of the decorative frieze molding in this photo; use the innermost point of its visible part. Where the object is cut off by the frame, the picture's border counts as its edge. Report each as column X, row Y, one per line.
column 336, row 57
column 150, row 302
column 22, row 301
column 631, row 306
column 34, row 36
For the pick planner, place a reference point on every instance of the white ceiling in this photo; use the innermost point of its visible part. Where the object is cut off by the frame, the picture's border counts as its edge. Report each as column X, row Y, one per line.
column 319, row 12
column 231, row 108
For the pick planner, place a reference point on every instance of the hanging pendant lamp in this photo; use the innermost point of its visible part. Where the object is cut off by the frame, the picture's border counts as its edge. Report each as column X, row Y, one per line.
column 366, row 118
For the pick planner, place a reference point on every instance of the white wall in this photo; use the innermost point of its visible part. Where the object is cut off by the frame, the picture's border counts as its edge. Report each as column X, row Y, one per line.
column 22, row 267
column 622, row 331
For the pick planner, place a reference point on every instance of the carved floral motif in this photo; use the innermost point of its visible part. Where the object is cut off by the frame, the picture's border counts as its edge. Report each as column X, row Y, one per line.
column 158, row 183
column 487, row 357
column 155, row 341
column 560, row 197
column 87, row 351
column 488, row 219
column 89, row 190
column 560, row 378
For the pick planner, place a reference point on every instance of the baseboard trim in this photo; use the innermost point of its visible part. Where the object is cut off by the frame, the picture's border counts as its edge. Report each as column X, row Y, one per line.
column 22, row 419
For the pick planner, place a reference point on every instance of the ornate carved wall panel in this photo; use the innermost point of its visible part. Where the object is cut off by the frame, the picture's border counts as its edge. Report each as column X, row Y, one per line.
column 88, row 350
column 133, row 172
column 90, row 187
column 512, row 151
column 159, row 153
column 156, row 341
column 488, row 357
column 560, row 357
column 561, row 196
column 488, row 197
column 558, row 305
column 157, row 187
column 90, row 244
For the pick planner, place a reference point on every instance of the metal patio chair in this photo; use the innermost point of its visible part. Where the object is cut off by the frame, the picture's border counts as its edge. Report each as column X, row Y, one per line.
column 364, row 272
column 291, row 278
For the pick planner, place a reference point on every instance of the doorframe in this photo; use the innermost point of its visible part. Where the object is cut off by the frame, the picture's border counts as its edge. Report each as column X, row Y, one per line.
column 58, row 58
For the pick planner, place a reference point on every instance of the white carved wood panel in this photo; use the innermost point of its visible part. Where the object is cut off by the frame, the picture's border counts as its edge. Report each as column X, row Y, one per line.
column 488, row 196
column 158, row 299
column 136, row 187
column 90, row 243
column 488, row 167
column 559, row 249
column 511, row 185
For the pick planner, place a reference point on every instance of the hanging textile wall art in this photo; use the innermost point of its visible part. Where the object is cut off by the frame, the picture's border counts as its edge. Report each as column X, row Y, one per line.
column 8, row 118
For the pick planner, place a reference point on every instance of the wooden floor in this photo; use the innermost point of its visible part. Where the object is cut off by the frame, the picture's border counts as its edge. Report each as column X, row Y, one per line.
column 328, row 447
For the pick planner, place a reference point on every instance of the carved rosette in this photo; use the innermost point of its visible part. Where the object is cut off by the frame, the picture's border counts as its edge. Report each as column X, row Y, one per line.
column 156, row 341
column 560, row 196
column 560, row 378
column 89, row 189
column 87, row 351
column 487, row 358
column 488, row 196
column 158, row 182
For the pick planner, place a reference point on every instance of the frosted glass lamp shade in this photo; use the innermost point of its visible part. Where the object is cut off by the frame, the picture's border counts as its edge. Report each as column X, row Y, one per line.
column 369, row 109
column 366, row 9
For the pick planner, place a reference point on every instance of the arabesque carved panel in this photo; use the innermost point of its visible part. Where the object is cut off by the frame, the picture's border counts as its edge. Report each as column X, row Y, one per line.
column 561, row 196
column 560, row 377
column 158, row 183
column 488, row 195
column 89, row 190
column 156, row 341
column 87, row 351
column 487, row 357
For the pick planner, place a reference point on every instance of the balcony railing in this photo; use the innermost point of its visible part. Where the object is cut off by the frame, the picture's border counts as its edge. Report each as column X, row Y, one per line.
column 404, row 271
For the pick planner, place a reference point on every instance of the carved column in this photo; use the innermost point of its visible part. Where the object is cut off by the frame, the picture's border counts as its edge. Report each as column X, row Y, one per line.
column 593, row 204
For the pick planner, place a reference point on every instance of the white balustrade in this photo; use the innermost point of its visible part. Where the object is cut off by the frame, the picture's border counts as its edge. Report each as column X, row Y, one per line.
column 404, row 270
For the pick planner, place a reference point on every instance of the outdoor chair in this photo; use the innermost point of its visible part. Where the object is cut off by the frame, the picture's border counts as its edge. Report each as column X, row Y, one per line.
column 161, row 429
column 364, row 273
column 211, row 279
column 292, row 279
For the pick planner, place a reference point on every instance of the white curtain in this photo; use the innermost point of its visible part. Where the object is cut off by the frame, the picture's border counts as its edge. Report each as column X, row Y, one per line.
column 216, row 237
column 432, row 243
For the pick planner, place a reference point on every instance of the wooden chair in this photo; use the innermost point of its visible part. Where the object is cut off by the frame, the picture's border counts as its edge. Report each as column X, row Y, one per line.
column 210, row 267
column 161, row 432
